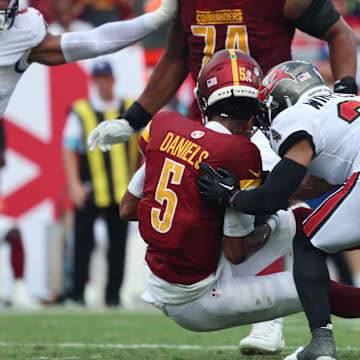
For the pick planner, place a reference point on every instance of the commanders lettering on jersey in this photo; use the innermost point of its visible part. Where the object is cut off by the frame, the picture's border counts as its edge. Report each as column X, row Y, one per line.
column 183, row 149
column 233, row 16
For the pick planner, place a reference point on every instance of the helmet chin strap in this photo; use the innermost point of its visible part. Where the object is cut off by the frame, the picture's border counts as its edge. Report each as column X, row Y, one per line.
column 268, row 107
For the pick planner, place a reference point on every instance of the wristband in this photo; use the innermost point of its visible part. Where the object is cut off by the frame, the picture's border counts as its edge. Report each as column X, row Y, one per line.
column 273, row 222
column 137, row 116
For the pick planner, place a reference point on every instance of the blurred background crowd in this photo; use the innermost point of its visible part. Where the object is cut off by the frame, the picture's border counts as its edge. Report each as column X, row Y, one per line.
column 72, row 258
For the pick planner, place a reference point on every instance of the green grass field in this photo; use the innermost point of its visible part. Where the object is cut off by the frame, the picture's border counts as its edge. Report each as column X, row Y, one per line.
column 69, row 335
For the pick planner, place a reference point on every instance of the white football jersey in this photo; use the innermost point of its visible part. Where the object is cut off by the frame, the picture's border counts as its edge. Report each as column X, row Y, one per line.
column 333, row 123
column 27, row 32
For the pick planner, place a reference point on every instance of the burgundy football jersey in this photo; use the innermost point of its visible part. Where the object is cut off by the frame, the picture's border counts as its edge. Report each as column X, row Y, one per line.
column 183, row 232
column 256, row 27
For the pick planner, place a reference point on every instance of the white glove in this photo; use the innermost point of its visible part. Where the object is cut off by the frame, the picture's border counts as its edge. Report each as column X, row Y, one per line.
column 109, row 132
column 165, row 13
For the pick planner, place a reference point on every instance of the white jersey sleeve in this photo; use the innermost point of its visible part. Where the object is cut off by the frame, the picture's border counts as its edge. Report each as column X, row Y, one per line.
column 27, row 32
column 288, row 126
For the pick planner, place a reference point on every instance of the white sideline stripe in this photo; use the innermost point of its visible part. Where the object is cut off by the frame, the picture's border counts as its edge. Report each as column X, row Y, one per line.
column 150, row 346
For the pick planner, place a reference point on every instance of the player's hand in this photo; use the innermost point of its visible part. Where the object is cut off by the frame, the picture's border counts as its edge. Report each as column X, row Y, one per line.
column 109, row 132
column 347, row 85
column 218, row 186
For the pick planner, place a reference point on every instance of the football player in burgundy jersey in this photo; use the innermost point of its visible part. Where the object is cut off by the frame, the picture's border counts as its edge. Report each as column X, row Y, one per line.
column 264, row 29
column 188, row 276
column 315, row 131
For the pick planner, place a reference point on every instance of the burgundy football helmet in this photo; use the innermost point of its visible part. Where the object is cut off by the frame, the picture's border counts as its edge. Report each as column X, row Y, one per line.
column 7, row 15
column 229, row 73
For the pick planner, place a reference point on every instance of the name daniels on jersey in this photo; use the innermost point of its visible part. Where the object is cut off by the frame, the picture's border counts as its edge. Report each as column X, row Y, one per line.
column 184, row 149
column 319, row 101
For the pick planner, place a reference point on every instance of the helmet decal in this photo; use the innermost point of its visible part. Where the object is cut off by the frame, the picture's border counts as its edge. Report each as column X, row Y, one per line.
column 271, row 80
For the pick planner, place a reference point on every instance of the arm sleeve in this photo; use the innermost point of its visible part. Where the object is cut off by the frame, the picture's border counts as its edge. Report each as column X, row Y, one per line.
column 280, row 184
column 317, row 18
column 136, row 185
column 106, row 39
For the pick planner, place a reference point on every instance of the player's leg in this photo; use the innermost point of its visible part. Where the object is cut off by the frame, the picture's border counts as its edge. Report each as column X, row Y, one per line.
column 83, row 245
column 10, row 234
column 266, row 335
column 115, row 256
column 238, row 301
column 331, row 228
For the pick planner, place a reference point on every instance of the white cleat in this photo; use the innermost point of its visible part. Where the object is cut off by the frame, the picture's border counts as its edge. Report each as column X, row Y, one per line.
column 293, row 356
column 265, row 338
column 21, row 299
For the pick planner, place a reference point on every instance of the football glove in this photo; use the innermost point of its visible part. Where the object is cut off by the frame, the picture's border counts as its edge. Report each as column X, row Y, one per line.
column 109, row 132
column 347, row 85
column 218, row 186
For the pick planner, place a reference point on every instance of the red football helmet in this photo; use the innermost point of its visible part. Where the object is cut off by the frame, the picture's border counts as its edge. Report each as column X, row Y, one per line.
column 229, row 73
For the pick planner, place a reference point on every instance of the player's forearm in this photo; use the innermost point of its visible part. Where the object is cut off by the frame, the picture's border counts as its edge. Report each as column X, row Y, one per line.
column 163, row 84
column 128, row 207
column 105, row 39
column 169, row 72
column 115, row 36
column 312, row 187
column 342, row 46
column 238, row 249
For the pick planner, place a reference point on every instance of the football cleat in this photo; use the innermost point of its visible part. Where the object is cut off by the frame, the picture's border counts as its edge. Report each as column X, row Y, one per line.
column 21, row 299
column 321, row 347
column 265, row 338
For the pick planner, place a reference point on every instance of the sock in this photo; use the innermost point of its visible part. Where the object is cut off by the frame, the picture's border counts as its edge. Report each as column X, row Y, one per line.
column 301, row 213
column 17, row 256
column 344, row 300
column 312, row 281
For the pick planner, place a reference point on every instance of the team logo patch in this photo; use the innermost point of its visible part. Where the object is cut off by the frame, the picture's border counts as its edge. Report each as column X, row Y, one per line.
column 304, row 76
column 197, row 134
column 275, row 135
column 211, row 82
column 269, row 83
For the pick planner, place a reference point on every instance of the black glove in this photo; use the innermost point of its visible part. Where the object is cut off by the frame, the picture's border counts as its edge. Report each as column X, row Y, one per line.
column 347, row 85
column 218, row 186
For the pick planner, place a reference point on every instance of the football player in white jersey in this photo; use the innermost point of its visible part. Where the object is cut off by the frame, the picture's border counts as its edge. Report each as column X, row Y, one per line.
column 24, row 39
column 314, row 131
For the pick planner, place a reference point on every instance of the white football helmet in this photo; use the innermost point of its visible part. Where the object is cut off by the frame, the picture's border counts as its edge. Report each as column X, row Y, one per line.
column 7, row 14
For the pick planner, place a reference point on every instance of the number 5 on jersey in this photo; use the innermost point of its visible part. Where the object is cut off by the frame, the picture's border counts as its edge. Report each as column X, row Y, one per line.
column 171, row 173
